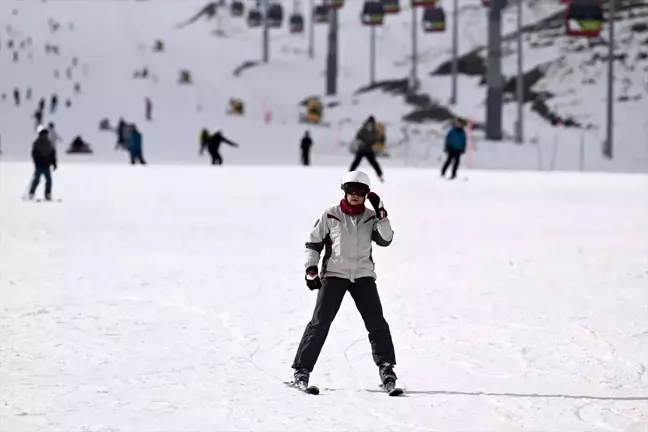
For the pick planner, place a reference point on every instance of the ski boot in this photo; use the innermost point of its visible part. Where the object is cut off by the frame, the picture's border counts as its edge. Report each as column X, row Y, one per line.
column 300, row 378
column 388, row 378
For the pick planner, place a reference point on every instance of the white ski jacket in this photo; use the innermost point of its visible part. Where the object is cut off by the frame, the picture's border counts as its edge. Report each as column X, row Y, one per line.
column 346, row 241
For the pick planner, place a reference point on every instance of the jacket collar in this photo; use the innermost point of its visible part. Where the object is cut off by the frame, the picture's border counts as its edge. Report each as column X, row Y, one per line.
column 352, row 210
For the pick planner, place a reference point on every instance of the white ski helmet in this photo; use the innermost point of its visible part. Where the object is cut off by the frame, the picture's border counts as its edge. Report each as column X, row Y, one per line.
column 41, row 128
column 356, row 177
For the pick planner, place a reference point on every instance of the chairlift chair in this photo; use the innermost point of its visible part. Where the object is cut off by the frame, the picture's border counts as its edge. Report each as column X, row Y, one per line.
column 584, row 18
column 296, row 23
column 486, row 3
column 423, row 3
column 321, row 14
column 434, row 20
column 391, row 6
column 275, row 15
column 254, row 18
column 372, row 13
column 237, row 8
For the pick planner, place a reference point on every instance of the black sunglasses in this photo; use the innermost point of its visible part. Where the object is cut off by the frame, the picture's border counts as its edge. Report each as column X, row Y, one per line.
column 357, row 191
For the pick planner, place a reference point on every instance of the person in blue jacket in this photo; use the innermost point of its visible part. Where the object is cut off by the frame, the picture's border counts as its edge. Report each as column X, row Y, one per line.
column 455, row 146
column 134, row 145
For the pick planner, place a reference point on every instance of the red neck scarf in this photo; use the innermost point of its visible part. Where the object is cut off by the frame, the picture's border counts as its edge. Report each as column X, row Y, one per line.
column 352, row 210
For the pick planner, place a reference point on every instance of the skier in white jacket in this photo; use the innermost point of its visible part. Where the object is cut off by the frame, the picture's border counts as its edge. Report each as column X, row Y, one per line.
column 345, row 233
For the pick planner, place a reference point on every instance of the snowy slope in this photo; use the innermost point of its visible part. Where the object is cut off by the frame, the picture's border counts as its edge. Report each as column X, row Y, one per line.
column 113, row 39
column 172, row 299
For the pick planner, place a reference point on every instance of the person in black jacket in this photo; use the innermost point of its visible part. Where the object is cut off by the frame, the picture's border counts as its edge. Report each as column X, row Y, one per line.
column 366, row 137
column 44, row 155
column 212, row 144
column 306, row 144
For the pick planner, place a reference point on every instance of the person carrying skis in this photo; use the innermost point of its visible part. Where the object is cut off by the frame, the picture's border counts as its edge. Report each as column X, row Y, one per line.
column 306, row 144
column 213, row 144
column 345, row 232
column 455, row 146
column 44, row 155
column 366, row 137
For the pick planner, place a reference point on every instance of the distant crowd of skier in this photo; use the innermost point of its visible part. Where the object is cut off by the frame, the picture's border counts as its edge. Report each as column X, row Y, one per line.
column 129, row 138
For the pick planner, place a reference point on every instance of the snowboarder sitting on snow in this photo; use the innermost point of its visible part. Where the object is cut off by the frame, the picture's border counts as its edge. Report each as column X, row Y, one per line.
column 366, row 137
column 346, row 232
column 212, row 144
column 44, row 155
column 134, row 145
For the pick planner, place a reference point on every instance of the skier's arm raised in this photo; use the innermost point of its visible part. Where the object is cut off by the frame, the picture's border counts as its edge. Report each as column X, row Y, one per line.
column 383, row 234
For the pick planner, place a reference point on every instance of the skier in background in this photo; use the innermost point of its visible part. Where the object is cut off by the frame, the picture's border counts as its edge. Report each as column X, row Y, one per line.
column 38, row 118
column 134, row 145
column 366, row 137
column 345, row 232
column 455, row 146
column 149, row 109
column 213, row 146
column 53, row 135
column 53, row 104
column 44, row 155
column 121, row 134
column 306, row 144
column 16, row 95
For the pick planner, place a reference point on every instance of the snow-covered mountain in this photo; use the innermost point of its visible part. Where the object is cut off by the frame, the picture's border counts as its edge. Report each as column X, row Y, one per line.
column 111, row 41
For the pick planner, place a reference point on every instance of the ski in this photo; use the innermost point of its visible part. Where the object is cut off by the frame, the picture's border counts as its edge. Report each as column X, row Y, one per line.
column 391, row 389
column 311, row 390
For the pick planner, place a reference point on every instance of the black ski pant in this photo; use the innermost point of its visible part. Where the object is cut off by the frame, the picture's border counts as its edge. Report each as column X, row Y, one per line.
column 305, row 157
column 329, row 299
column 216, row 158
column 136, row 156
column 371, row 158
column 38, row 172
column 453, row 157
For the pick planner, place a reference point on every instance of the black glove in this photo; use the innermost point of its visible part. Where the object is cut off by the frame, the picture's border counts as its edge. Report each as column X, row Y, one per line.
column 54, row 167
column 377, row 204
column 313, row 280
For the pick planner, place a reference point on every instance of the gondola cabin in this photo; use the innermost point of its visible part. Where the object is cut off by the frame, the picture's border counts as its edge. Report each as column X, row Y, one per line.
column 236, row 107
column 336, row 4
column 486, row 3
column 584, row 18
column 237, row 8
column 372, row 14
column 296, row 23
column 423, row 3
column 254, row 18
column 321, row 14
column 391, row 6
column 275, row 15
column 434, row 20
column 314, row 110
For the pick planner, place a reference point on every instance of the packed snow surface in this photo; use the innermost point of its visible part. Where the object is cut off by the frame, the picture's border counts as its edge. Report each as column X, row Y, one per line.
column 172, row 298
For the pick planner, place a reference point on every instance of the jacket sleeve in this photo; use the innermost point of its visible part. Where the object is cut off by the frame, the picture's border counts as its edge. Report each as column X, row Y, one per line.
column 316, row 241
column 383, row 234
column 233, row 144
